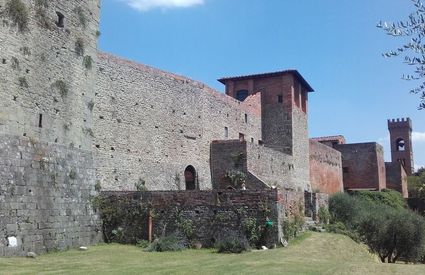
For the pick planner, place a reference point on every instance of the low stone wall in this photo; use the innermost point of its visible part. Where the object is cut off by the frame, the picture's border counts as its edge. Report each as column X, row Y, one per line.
column 213, row 214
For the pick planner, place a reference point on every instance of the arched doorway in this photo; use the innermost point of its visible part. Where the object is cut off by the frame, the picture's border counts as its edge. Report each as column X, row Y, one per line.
column 190, row 178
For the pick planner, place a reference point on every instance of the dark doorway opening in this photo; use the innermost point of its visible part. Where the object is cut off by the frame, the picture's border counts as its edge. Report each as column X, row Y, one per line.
column 190, row 178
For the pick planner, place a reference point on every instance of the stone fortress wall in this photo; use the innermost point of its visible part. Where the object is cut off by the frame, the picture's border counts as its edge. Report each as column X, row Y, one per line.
column 47, row 173
column 151, row 125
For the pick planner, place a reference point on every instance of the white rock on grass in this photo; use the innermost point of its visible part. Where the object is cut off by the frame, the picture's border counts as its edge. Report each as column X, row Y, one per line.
column 31, row 255
column 83, row 248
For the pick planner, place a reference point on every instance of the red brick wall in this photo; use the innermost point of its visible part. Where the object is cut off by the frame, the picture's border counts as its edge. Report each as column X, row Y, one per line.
column 364, row 166
column 396, row 178
column 325, row 168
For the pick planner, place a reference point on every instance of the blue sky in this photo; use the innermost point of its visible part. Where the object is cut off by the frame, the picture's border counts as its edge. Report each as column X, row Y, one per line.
column 334, row 44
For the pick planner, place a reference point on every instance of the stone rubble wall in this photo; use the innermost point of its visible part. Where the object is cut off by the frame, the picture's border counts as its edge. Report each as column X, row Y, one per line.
column 151, row 125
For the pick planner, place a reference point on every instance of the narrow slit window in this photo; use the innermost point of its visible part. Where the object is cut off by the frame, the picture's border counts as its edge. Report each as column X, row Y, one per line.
column 280, row 99
column 40, row 121
column 226, row 132
column 246, row 118
column 61, row 20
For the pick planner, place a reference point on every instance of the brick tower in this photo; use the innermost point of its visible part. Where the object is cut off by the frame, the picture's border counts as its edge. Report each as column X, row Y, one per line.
column 401, row 142
column 284, row 114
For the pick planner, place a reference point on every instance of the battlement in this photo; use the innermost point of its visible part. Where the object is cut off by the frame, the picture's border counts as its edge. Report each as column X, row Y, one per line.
column 400, row 123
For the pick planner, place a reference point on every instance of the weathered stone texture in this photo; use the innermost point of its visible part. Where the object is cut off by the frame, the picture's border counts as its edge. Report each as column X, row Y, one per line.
column 363, row 166
column 325, row 168
column 45, row 192
column 214, row 214
column 396, row 178
column 47, row 91
column 151, row 125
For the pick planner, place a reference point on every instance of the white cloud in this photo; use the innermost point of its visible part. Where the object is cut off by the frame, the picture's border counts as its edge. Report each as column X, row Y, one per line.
column 145, row 5
column 417, row 166
column 418, row 137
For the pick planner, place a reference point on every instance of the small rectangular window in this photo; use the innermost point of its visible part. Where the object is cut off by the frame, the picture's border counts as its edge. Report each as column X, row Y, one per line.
column 241, row 137
column 252, row 140
column 226, row 132
column 40, row 121
column 260, row 142
column 246, row 118
column 345, row 169
column 280, row 99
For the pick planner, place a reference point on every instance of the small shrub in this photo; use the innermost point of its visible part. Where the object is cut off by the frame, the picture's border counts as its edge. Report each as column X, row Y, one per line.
column 324, row 215
column 98, row 33
column 23, row 82
column 88, row 62
column 79, row 46
column 18, row 13
column 81, row 16
column 167, row 243
column 251, row 231
column 232, row 245
column 117, row 235
column 141, row 186
column 236, row 177
column 62, row 87
column 98, row 186
column 142, row 243
column 15, row 63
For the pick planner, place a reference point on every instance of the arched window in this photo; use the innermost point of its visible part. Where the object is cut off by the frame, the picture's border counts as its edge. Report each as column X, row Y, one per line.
column 400, row 144
column 190, row 178
column 241, row 95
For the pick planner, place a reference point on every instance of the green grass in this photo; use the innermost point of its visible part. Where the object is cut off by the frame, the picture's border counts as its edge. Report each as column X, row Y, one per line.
column 313, row 253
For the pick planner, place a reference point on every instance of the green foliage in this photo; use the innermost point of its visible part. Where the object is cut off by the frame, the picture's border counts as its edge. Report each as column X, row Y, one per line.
column 142, row 243
column 88, row 62
column 79, row 46
column 413, row 49
column 387, row 197
column 416, row 184
column 124, row 219
column 324, row 215
column 18, row 13
column 185, row 226
column 389, row 230
column 98, row 186
column 23, row 82
column 291, row 226
column 81, row 16
column 167, row 243
column 232, row 244
column 236, row 177
column 98, row 33
column 140, row 185
column 62, row 87
column 252, row 232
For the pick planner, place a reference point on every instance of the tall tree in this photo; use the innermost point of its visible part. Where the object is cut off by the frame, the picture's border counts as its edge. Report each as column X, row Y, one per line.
column 413, row 50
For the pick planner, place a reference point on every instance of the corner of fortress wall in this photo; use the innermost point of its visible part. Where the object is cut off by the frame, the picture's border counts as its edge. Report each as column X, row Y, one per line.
column 47, row 172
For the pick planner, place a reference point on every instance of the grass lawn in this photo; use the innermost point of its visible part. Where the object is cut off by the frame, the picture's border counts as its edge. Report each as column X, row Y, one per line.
column 314, row 253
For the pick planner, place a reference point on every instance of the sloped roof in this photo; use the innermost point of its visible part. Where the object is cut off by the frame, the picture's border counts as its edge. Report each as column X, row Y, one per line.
column 270, row 74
